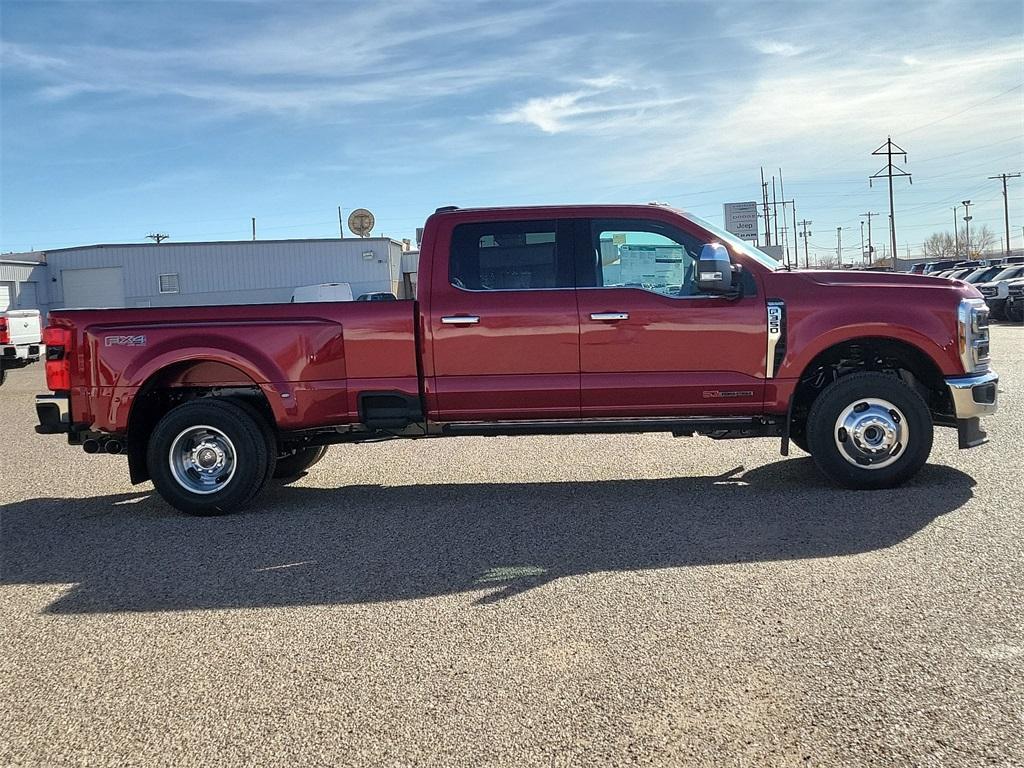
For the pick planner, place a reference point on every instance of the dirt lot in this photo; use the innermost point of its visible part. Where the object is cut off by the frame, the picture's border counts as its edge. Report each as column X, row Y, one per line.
column 518, row 601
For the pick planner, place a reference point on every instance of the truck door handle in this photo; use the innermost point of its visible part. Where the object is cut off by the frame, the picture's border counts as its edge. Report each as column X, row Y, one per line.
column 460, row 320
column 609, row 315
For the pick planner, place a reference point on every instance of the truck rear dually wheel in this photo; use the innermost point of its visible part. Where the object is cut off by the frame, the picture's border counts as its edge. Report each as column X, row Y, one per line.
column 869, row 430
column 209, row 457
column 295, row 463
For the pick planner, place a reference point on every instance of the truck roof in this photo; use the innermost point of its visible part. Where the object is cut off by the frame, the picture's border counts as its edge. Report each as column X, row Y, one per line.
column 605, row 207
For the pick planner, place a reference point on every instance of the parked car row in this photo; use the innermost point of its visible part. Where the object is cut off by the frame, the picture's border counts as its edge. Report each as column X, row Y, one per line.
column 943, row 267
column 996, row 280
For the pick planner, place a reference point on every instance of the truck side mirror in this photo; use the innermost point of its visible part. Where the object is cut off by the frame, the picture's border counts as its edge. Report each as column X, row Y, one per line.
column 714, row 269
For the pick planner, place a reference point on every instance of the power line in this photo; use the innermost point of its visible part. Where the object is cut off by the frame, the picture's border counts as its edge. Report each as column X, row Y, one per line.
column 889, row 149
column 1006, row 205
column 871, row 248
column 966, row 109
column 806, row 234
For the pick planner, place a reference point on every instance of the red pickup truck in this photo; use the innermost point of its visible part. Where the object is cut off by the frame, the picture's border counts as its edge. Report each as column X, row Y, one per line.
column 544, row 320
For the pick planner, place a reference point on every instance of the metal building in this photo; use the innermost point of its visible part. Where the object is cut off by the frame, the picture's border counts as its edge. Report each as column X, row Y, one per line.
column 23, row 282
column 226, row 272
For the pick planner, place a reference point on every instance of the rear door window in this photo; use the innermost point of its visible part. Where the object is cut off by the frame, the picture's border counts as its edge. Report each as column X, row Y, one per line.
column 511, row 256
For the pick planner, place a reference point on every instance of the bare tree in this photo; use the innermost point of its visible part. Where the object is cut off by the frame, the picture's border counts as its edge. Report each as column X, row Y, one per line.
column 939, row 246
column 982, row 238
column 827, row 262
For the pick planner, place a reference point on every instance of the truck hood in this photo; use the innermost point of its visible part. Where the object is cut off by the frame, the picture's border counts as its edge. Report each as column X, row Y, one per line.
column 898, row 285
column 853, row 277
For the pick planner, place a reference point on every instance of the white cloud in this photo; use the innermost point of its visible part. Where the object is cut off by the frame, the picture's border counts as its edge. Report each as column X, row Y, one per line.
column 548, row 114
column 386, row 53
column 611, row 103
column 778, row 48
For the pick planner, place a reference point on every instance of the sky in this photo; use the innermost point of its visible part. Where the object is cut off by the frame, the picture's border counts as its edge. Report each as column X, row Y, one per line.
column 122, row 119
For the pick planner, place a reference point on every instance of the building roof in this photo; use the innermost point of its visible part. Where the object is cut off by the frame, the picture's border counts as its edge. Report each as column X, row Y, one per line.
column 22, row 262
column 220, row 242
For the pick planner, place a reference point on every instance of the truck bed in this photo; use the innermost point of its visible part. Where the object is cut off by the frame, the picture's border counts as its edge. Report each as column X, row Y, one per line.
column 311, row 360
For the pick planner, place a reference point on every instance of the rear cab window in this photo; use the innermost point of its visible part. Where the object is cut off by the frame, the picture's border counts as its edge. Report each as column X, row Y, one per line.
column 511, row 256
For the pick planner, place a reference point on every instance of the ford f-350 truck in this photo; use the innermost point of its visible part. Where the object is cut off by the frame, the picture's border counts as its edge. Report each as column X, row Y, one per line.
column 543, row 320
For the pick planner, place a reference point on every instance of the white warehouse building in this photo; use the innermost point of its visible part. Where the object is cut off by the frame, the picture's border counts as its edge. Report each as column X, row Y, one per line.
column 183, row 274
column 22, row 282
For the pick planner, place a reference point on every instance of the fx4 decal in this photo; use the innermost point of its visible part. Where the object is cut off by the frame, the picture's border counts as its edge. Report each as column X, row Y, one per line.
column 125, row 341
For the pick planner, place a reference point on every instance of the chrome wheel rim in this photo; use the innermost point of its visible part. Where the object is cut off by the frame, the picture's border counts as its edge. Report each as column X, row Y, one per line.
column 871, row 433
column 202, row 459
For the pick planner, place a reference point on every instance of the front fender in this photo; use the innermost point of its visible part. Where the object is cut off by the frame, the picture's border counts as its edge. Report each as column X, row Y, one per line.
column 812, row 332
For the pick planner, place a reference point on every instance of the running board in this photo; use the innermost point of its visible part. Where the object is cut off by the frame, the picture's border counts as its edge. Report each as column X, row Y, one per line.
column 739, row 426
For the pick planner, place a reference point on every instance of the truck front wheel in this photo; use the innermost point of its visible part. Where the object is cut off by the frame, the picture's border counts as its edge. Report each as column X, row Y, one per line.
column 868, row 431
column 209, row 457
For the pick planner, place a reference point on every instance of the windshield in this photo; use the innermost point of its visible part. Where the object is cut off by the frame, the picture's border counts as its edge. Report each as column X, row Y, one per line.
column 981, row 275
column 1006, row 274
column 743, row 246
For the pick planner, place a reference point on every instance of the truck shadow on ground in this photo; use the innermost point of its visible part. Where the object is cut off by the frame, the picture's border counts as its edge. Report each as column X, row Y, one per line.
column 358, row 544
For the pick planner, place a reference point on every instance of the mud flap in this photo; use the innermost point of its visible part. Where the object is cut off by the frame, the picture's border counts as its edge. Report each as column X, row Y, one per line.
column 970, row 433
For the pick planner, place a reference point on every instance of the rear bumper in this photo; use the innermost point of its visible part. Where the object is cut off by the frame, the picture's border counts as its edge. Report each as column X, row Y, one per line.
column 54, row 413
column 973, row 397
column 13, row 352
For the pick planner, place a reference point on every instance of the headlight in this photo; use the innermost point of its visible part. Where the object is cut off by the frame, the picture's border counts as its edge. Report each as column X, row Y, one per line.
column 972, row 325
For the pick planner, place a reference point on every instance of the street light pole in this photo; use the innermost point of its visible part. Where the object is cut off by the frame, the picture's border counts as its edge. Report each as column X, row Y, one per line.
column 839, row 245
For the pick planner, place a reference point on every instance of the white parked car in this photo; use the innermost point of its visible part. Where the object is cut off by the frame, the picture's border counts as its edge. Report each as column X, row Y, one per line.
column 21, row 339
column 322, row 292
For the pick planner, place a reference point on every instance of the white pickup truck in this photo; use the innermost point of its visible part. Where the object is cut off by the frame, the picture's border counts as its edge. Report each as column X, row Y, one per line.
column 21, row 339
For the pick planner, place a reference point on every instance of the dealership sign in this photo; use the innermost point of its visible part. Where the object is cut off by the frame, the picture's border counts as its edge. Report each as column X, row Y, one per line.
column 741, row 219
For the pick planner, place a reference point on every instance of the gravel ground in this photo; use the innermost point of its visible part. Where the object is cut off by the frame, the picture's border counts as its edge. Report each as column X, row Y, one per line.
column 558, row 601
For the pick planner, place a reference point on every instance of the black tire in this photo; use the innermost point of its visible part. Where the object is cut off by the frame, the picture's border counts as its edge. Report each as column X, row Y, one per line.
column 1015, row 311
column 234, row 433
column 291, row 466
column 268, row 434
column 3, row 374
column 798, row 437
column 910, row 437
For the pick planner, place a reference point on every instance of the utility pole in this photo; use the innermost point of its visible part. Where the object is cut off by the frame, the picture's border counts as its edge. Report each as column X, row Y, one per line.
column 775, row 212
column 159, row 237
column 253, row 227
column 889, row 149
column 764, row 198
column 956, row 232
column 839, row 245
column 796, row 255
column 862, row 241
column 1006, row 207
column 967, row 227
column 806, row 234
column 785, row 230
column 871, row 248
column 782, row 193
column 341, row 230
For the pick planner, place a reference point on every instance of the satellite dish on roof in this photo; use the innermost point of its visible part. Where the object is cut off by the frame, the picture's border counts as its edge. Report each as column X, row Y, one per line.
column 361, row 222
